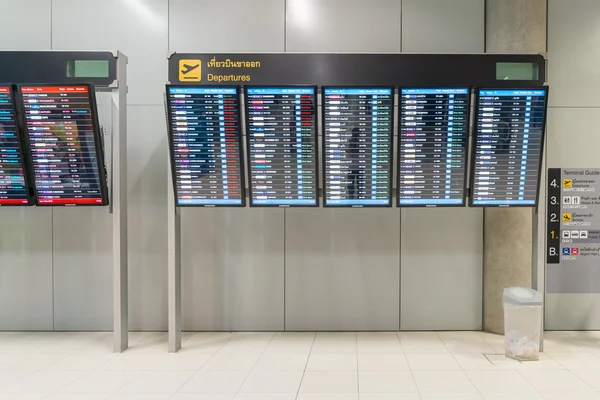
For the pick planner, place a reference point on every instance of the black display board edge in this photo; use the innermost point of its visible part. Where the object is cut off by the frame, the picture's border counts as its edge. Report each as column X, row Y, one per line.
column 467, row 149
column 316, row 139
column 102, row 177
column 172, row 150
column 553, row 216
column 33, row 67
column 26, row 162
column 391, row 167
column 348, row 69
column 474, row 147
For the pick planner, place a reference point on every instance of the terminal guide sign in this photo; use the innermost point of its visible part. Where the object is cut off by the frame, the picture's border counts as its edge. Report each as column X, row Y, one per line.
column 573, row 231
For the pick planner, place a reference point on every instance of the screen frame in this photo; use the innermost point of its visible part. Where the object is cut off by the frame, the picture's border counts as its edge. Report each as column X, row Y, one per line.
column 467, row 148
column 391, row 168
column 316, row 139
column 172, row 150
column 26, row 163
column 102, row 172
column 478, row 90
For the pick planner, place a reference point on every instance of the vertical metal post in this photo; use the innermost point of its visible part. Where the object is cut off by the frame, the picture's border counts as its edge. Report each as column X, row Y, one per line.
column 538, row 276
column 119, row 208
column 174, row 268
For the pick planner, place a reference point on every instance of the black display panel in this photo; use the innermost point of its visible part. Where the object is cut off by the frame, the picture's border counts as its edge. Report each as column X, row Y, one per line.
column 63, row 134
column 205, row 142
column 13, row 178
column 282, row 146
column 432, row 146
column 358, row 139
column 508, row 145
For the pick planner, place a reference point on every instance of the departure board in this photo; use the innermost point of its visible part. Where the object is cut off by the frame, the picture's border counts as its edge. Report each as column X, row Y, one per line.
column 507, row 153
column 13, row 186
column 282, row 146
column 358, row 141
column 432, row 151
column 205, row 142
column 66, row 150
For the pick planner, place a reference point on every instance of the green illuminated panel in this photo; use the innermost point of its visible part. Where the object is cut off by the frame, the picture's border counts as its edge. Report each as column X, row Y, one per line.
column 516, row 71
column 87, row 69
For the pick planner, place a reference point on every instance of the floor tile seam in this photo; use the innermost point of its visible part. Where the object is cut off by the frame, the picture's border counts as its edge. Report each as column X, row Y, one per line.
column 461, row 367
column 57, row 390
column 306, row 365
column 412, row 375
column 200, row 368
column 357, row 375
column 252, row 369
column 577, row 377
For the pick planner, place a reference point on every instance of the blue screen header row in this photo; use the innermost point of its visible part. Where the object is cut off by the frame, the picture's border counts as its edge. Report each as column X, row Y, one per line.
column 521, row 92
column 202, row 90
column 282, row 90
column 436, row 91
column 358, row 91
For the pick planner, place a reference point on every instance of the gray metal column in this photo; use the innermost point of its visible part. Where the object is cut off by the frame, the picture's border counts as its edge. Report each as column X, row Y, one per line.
column 119, row 208
column 512, row 26
column 174, row 268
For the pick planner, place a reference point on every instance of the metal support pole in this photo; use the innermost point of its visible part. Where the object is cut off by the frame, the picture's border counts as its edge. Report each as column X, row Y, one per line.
column 174, row 269
column 119, row 208
column 538, row 276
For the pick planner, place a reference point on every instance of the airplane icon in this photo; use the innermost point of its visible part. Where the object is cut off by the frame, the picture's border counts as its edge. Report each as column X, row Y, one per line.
column 189, row 68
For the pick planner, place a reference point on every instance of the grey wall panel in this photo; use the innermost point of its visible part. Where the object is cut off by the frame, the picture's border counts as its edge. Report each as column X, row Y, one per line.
column 34, row 34
column 26, row 246
column 572, row 137
column 82, row 254
column 233, row 269
column 242, row 26
column 137, row 28
column 148, row 157
column 26, row 268
column 343, row 26
column 342, row 269
column 442, row 249
column 442, row 26
column 82, row 268
column 442, row 258
column 232, row 259
column 573, row 52
column 576, row 312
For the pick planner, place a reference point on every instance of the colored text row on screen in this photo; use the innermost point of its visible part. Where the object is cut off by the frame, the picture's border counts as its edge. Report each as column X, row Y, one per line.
column 508, row 147
column 205, row 142
column 432, row 154
column 358, row 146
column 61, row 131
column 282, row 146
column 13, row 190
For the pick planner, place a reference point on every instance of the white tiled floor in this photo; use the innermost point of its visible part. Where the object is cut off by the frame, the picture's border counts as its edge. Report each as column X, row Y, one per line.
column 289, row 366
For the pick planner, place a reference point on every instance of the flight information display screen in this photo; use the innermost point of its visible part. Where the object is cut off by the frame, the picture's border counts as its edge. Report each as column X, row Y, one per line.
column 13, row 186
column 66, row 150
column 358, row 141
column 507, row 149
column 282, row 146
column 205, row 141
column 432, row 151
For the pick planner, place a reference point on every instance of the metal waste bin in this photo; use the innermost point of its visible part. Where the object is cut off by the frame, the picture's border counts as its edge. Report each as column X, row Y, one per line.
column 522, row 323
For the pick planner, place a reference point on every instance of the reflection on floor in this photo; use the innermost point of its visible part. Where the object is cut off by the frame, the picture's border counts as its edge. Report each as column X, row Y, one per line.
column 286, row 366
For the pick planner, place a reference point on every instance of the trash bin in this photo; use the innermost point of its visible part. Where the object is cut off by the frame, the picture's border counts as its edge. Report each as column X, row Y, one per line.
column 522, row 323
